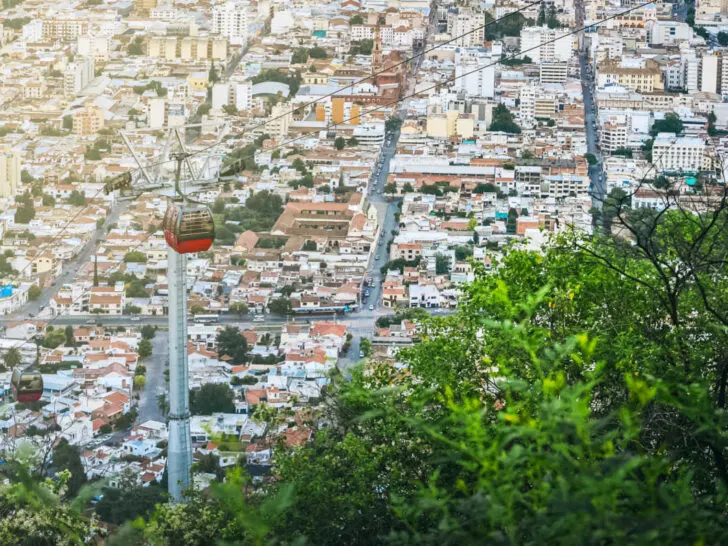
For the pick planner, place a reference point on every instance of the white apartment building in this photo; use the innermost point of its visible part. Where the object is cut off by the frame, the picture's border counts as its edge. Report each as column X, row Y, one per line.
column 77, row 75
column 668, row 32
column 553, row 73
column 64, row 30
column 468, row 25
column 711, row 64
column 33, row 31
column 544, row 44
column 231, row 20
column 673, row 153
column 362, row 32
column 97, row 47
column 471, row 78
column 9, row 171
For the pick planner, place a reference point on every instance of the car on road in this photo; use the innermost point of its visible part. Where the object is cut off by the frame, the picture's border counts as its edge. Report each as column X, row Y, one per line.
column 376, row 257
column 135, row 319
column 91, row 321
column 258, row 318
column 361, row 354
column 371, row 307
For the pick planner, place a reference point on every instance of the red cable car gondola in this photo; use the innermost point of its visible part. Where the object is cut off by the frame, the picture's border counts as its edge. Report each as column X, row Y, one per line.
column 189, row 228
column 27, row 386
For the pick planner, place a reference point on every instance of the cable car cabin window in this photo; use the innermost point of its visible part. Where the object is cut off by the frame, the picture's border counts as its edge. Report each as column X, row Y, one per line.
column 31, row 382
column 196, row 224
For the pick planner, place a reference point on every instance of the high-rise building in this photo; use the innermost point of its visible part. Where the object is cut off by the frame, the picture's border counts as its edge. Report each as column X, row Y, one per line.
column 231, row 20
column 544, row 44
column 77, row 75
column 88, row 121
column 9, row 171
column 678, row 154
column 475, row 73
column 468, row 25
column 63, row 30
column 337, row 110
column 280, row 119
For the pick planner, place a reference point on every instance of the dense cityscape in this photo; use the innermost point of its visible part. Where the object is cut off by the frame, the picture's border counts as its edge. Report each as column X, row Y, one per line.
column 363, row 272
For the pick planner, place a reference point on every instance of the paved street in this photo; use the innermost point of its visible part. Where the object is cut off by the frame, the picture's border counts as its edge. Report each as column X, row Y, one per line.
column 71, row 269
column 597, row 187
column 155, row 364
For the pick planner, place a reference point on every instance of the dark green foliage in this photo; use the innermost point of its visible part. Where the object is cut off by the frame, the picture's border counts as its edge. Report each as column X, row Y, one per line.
column 442, row 264
column 126, row 420
column 362, row 47
column 212, row 398
column 129, row 501
column 14, row 24
column 300, row 56
column 671, row 124
column 507, row 26
column 77, row 199
column 259, row 213
column 503, row 120
column 317, row 53
column 231, row 342
column 26, row 211
column 148, row 331
column 282, row 306
column 151, row 86
column 68, row 457
column 512, row 220
column 400, row 263
column 145, row 348
column 136, row 47
column 624, row 152
column 135, row 289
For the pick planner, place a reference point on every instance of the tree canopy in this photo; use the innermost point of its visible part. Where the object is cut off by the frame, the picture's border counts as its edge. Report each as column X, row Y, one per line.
column 232, row 343
column 577, row 395
column 212, row 398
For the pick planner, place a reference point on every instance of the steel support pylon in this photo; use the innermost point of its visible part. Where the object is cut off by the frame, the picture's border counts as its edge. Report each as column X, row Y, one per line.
column 179, row 449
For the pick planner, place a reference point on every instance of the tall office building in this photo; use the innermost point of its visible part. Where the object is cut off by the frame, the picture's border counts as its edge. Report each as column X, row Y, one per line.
column 9, row 171
column 77, row 75
column 546, row 44
column 231, row 20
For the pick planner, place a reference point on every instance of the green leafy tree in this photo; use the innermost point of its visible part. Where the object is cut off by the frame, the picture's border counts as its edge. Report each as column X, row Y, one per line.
column 136, row 47
column 70, row 339
column 339, row 143
column 68, row 457
column 148, row 331
column 231, row 342
column 135, row 256
column 442, row 264
column 365, row 346
column 300, row 56
column 503, row 120
column 670, row 124
column 239, row 307
column 212, row 398
column 12, row 358
column 390, row 189
column 144, row 349
column 34, row 292
column 282, row 306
